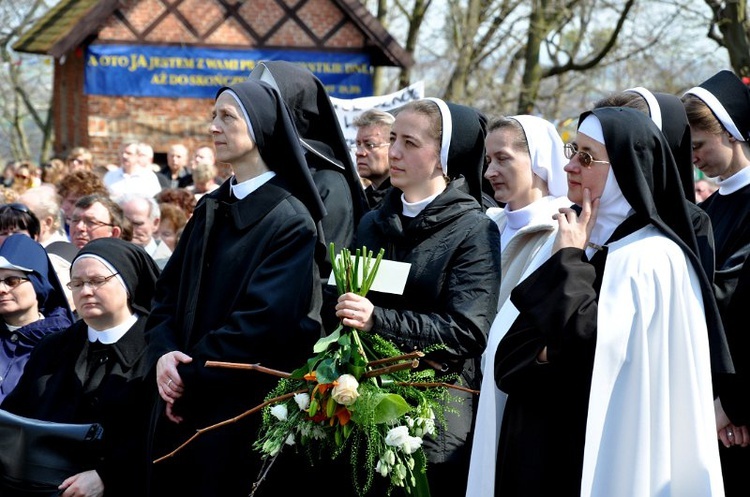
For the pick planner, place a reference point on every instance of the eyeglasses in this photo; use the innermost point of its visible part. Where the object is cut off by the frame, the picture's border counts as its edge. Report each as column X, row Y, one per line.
column 13, row 281
column 15, row 207
column 571, row 149
column 94, row 283
column 91, row 224
column 367, row 146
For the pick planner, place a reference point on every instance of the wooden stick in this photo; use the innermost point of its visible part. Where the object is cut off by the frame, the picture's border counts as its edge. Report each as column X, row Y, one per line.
column 390, row 369
column 255, row 409
column 251, row 367
column 387, row 360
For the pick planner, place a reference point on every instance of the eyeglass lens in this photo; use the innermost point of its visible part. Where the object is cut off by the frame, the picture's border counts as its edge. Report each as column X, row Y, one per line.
column 13, row 281
column 584, row 157
column 94, row 283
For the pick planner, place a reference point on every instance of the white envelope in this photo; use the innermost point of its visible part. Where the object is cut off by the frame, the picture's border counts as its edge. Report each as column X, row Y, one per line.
column 391, row 277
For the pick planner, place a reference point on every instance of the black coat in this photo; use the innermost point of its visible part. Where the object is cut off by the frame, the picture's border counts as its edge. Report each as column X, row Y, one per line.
column 241, row 286
column 52, row 389
column 450, row 296
column 375, row 196
column 544, row 422
column 730, row 218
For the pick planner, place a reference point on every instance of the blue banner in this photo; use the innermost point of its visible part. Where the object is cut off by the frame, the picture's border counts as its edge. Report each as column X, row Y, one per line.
column 197, row 72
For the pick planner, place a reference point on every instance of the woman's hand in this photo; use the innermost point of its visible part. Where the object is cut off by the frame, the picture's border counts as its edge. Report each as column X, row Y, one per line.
column 355, row 311
column 734, row 435
column 86, row 484
column 168, row 380
column 574, row 230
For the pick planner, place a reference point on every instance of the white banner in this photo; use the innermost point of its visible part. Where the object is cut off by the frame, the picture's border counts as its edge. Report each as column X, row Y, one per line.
column 348, row 109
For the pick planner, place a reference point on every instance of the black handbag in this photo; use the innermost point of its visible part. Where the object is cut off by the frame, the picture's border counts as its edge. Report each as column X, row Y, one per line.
column 37, row 456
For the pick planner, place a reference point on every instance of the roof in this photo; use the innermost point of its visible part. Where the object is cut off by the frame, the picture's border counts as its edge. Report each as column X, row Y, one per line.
column 69, row 23
column 65, row 26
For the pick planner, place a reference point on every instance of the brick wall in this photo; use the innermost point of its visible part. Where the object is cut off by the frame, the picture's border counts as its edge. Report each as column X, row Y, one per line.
column 103, row 124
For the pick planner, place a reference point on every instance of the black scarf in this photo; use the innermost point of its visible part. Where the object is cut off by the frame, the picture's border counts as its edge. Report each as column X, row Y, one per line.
column 646, row 172
column 277, row 140
column 136, row 268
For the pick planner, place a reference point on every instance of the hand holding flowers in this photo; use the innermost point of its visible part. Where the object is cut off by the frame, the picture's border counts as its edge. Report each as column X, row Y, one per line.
column 358, row 395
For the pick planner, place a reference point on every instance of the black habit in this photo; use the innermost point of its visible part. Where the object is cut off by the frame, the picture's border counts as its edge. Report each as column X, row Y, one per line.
column 70, row 380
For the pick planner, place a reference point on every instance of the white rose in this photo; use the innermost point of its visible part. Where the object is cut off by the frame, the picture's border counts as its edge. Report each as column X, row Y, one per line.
column 397, row 436
column 345, row 391
column 289, row 440
column 302, row 400
column 411, row 445
column 279, row 411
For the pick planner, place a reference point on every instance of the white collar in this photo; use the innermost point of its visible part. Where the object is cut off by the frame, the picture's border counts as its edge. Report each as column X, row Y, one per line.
column 242, row 190
column 736, row 181
column 151, row 246
column 412, row 209
column 112, row 335
column 519, row 218
column 537, row 212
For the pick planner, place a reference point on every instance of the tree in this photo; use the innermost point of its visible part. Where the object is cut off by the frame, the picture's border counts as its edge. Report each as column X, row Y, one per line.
column 26, row 110
column 730, row 28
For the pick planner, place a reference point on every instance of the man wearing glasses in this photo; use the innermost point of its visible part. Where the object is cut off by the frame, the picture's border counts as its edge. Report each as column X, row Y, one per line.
column 371, row 151
column 97, row 216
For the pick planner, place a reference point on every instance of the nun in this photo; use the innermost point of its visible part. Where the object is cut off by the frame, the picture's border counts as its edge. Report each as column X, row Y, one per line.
column 668, row 113
column 241, row 286
column 32, row 305
column 719, row 114
column 525, row 160
column 608, row 367
column 326, row 152
column 95, row 371
column 432, row 220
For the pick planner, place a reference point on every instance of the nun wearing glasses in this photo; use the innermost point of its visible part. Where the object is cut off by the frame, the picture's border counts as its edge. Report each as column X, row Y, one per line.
column 608, row 366
column 94, row 371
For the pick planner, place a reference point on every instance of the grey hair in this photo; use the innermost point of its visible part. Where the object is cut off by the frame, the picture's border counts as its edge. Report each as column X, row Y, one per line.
column 373, row 117
column 154, row 211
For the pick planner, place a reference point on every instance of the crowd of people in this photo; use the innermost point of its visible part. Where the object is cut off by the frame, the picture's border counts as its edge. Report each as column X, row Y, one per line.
column 592, row 293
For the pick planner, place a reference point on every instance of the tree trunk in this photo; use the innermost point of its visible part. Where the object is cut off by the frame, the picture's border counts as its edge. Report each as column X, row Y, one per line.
column 456, row 90
column 532, row 72
column 732, row 26
column 378, row 77
column 415, row 23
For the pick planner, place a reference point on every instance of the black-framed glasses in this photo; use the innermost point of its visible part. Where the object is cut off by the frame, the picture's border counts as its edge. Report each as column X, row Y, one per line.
column 367, row 146
column 586, row 159
column 15, row 206
column 13, row 281
column 94, row 283
column 91, row 224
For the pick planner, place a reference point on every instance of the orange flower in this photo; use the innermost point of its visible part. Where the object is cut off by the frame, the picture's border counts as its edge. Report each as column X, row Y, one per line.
column 311, row 376
column 323, row 387
column 343, row 414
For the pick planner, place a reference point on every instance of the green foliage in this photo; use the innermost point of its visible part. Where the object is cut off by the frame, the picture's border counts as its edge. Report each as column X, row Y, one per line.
column 377, row 414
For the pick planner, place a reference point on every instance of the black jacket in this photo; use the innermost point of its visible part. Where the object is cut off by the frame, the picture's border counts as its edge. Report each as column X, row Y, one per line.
column 241, row 286
column 51, row 389
column 451, row 292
